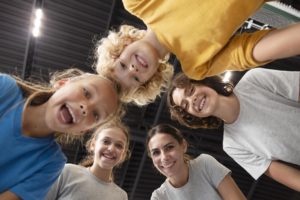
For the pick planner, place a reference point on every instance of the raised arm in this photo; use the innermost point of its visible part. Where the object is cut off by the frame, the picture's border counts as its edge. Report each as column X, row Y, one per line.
column 229, row 190
column 277, row 44
column 8, row 196
column 284, row 174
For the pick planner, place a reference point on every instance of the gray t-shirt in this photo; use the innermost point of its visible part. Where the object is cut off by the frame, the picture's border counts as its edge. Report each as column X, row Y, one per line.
column 268, row 126
column 78, row 183
column 205, row 174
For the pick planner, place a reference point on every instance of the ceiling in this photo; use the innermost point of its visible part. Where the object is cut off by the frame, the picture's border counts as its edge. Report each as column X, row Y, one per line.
column 69, row 31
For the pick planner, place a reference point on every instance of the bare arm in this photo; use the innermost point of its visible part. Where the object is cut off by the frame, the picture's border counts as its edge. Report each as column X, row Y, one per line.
column 277, row 44
column 284, row 174
column 8, row 196
column 229, row 190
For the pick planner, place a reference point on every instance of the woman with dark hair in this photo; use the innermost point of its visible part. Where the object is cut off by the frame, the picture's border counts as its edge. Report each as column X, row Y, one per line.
column 262, row 109
column 200, row 178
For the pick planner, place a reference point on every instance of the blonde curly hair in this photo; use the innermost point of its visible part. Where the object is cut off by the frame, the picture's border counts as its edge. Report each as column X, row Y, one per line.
column 109, row 48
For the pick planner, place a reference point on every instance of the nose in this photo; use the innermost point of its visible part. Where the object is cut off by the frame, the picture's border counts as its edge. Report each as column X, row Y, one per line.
column 164, row 156
column 83, row 109
column 111, row 147
column 133, row 68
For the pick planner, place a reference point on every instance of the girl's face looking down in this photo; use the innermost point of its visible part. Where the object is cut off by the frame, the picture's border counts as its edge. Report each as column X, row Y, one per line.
column 167, row 154
column 81, row 104
column 137, row 64
column 198, row 100
column 109, row 148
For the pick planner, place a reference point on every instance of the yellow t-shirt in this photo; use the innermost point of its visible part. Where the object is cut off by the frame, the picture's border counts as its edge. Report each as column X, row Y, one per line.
column 200, row 33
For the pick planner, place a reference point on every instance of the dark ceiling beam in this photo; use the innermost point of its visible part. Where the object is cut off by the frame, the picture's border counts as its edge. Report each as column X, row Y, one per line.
column 111, row 13
column 31, row 41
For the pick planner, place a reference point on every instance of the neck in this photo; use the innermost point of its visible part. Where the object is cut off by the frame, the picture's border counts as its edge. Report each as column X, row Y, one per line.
column 33, row 121
column 100, row 173
column 228, row 109
column 152, row 39
column 181, row 178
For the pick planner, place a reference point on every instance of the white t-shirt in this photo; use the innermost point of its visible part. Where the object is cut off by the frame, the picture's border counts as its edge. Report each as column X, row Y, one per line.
column 205, row 174
column 78, row 183
column 268, row 126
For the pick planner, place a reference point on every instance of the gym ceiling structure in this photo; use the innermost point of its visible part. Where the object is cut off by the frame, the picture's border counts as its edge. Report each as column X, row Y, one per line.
column 67, row 37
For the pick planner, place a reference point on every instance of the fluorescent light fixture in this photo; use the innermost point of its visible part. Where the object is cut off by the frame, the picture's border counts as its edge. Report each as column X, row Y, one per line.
column 37, row 22
column 227, row 76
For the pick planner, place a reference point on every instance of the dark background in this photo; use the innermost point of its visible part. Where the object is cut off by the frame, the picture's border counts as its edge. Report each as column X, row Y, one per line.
column 69, row 31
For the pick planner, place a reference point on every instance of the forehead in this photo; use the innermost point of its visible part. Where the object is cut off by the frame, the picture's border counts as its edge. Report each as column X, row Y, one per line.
column 114, row 133
column 178, row 95
column 159, row 140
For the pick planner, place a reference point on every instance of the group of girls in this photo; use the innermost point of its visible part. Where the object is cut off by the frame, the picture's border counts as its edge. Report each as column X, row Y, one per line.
column 132, row 67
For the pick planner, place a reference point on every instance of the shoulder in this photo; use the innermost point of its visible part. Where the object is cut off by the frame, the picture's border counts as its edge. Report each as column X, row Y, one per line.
column 159, row 192
column 72, row 168
column 120, row 191
column 7, row 82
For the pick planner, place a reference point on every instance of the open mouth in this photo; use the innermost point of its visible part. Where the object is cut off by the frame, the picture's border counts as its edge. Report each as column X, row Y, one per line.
column 201, row 104
column 142, row 62
column 66, row 115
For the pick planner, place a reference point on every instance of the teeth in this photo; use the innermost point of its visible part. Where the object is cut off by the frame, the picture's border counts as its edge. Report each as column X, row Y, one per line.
column 202, row 103
column 71, row 112
column 167, row 165
column 141, row 61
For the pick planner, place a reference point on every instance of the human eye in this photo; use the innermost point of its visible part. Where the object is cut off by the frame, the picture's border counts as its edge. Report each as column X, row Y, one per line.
column 190, row 91
column 123, row 66
column 106, row 141
column 120, row 146
column 154, row 153
column 96, row 116
column 136, row 79
column 169, row 147
column 86, row 93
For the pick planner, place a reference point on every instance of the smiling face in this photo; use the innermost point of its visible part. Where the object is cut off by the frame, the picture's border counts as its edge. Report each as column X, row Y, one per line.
column 198, row 100
column 109, row 148
column 167, row 154
column 137, row 64
column 82, row 104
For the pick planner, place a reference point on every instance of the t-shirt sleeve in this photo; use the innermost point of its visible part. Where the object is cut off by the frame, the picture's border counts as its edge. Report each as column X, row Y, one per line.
column 282, row 83
column 215, row 171
column 36, row 187
column 154, row 196
column 237, row 54
column 254, row 164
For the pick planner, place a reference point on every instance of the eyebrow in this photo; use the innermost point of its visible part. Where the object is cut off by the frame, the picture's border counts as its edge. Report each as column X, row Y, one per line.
column 162, row 147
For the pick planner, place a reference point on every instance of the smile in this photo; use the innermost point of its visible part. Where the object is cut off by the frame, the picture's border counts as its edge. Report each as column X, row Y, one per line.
column 142, row 62
column 200, row 104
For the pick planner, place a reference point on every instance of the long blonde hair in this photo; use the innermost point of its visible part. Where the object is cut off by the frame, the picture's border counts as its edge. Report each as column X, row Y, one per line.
column 109, row 48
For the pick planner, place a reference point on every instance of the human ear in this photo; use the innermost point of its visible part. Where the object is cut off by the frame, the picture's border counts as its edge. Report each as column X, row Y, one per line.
column 58, row 84
column 185, row 145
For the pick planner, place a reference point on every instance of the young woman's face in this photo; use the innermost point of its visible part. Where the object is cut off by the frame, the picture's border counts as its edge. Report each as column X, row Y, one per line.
column 198, row 100
column 136, row 65
column 79, row 105
column 109, row 148
column 167, row 154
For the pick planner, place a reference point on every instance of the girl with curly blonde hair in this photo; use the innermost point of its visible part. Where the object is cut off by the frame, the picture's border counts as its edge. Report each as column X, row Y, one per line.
column 139, row 69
